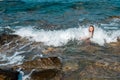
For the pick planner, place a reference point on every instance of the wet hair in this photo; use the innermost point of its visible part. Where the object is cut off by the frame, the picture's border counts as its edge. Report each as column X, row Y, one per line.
column 93, row 29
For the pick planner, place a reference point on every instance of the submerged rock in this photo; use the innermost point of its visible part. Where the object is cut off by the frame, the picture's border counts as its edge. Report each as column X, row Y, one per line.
column 115, row 66
column 40, row 64
column 49, row 50
column 95, row 72
column 50, row 74
column 114, row 47
column 42, row 68
column 52, row 50
column 115, row 17
column 77, row 63
column 70, row 66
column 90, row 48
column 8, row 75
column 5, row 38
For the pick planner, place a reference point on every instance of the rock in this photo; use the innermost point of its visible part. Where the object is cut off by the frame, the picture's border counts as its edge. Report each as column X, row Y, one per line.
column 113, row 47
column 102, row 63
column 115, row 66
column 40, row 64
column 114, row 44
column 8, row 75
column 49, row 50
column 101, row 70
column 115, row 17
column 42, row 68
column 70, row 66
column 94, row 70
column 52, row 50
column 118, row 39
column 5, row 38
column 90, row 48
column 50, row 74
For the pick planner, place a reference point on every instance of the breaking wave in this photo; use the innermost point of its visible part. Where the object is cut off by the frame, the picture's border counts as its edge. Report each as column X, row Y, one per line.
column 61, row 37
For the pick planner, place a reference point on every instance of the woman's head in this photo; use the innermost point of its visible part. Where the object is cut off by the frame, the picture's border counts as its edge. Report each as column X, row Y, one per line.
column 91, row 28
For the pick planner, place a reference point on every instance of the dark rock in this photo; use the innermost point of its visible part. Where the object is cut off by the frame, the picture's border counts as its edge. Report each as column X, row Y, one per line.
column 49, row 74
column 6, row 38
column 91, row 69
column 8, row 75
column 101, row 71
column 40, row 64
column 90, row 48
column 114, row 66
column 52, row 50
column 115, row 17
column 113, row 47
column 70, row 66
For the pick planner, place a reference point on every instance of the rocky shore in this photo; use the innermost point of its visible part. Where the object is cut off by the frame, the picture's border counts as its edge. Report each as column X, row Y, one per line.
column 69, row 62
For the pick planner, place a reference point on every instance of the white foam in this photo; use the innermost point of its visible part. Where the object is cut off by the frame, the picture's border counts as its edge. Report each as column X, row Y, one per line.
column 27, row 77
column 100, row 35
column 61, row 37
column 14, row 59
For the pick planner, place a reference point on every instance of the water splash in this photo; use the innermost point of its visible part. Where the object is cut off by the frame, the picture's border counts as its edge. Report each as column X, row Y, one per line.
column 61, row 37
column 22, row 76
column 27, row 77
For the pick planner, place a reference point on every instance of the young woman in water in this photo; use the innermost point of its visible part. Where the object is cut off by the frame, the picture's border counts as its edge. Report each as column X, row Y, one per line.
column 90, row 35
column 91, row 31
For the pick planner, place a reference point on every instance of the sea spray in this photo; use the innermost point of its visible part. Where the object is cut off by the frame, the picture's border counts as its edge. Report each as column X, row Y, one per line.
column 21, row 73
column 22, row 76
column 62, row 37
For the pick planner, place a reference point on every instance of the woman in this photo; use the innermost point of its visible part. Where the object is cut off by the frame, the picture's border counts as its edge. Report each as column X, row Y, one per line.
column 91, row 31
column 90, row 35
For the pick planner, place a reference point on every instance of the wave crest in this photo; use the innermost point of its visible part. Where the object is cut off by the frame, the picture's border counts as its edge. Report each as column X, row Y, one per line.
column 61, row 37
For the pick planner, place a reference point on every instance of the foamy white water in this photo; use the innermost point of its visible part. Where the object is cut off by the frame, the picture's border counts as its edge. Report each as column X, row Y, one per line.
column 61, row 37
column 14, row 59
column 27, row 77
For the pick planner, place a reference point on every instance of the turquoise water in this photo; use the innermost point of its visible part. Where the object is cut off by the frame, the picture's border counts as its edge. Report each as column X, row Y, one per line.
column 65, row 13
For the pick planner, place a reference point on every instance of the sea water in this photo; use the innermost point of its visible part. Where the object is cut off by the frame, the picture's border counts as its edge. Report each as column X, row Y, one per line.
column 56, row 22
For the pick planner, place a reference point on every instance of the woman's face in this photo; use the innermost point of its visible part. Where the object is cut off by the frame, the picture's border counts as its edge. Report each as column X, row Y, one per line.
column 91, row 29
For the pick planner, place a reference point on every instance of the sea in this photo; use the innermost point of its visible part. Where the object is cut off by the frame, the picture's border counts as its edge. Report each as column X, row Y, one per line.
column 56, row 22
